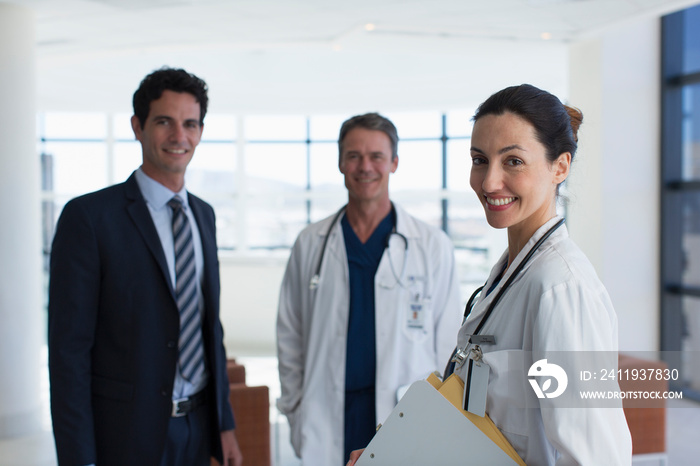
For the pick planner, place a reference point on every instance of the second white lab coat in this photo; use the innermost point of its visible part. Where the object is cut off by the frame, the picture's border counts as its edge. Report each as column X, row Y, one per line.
column 312, row 328
column 556, row 305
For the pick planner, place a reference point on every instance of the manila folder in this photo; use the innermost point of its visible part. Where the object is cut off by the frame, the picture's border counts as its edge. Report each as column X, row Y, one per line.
column 425, row 429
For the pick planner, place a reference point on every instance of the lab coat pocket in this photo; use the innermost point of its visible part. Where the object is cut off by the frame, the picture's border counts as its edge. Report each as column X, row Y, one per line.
column 508, row 395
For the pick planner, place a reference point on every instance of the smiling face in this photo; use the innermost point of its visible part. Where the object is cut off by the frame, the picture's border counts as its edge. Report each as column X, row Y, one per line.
column 366, row 161
column 169, row 137
column 511, row 175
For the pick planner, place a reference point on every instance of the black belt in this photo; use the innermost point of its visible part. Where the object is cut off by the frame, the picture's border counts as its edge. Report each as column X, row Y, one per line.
column 183, row 406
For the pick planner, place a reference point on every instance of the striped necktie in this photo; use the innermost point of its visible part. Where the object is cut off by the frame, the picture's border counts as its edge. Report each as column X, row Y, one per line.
column 191, row 360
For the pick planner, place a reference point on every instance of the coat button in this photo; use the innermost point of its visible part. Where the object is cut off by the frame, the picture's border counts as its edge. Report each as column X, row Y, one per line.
column 171, row 344
column 164, row 392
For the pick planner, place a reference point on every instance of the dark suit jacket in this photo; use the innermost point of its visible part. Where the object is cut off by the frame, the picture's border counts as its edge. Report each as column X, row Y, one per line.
column 114, row 327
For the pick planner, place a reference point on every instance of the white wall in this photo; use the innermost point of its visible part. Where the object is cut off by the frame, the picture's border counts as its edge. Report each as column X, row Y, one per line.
column 614, row 195
column 249, row 295
column 614, row 210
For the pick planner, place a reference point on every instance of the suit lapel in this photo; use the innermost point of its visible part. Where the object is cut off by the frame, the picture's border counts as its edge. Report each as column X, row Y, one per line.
column 138, row 210
column 205, row 227
column 207, row 234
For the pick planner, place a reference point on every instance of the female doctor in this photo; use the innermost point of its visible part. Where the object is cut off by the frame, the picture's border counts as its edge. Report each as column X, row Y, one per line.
column 523, row 143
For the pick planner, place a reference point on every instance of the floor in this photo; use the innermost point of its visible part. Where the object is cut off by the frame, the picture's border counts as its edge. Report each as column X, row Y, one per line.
column 683, row 428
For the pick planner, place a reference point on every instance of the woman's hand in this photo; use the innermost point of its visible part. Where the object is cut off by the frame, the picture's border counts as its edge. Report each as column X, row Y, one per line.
column 354, row 456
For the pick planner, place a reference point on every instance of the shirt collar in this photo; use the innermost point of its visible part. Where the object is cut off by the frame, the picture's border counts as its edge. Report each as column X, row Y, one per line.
column 157, row 195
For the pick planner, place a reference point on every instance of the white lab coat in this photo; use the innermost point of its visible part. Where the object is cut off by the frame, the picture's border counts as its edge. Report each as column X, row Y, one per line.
column 556, row 304
column 312, row 328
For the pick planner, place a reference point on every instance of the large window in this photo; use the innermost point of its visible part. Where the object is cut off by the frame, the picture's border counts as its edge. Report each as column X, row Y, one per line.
column 269, row 176
column 680, row 226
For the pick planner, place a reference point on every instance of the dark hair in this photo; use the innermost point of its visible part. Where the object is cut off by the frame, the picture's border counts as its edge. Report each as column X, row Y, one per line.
column 171, row 79
column 373, row 121
column 556, row 125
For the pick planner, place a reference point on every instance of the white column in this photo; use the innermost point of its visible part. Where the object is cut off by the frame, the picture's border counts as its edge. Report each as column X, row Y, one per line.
column 614, row 209
column 21, row 291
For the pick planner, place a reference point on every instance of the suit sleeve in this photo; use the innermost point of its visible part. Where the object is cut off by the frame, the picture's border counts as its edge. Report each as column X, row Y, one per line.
column 210, row 250
column 226, row 415
column 226, row 418
column 73, row 302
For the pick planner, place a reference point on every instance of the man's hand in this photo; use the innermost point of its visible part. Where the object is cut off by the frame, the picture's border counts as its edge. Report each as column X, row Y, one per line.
column 232, row 452
column 354, row 456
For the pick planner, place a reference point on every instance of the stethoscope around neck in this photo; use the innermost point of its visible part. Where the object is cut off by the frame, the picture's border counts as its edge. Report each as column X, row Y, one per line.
column 460, row 355
column 316, row 278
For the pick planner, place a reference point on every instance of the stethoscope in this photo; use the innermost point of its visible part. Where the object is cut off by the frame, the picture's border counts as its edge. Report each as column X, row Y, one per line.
column 316, row 278
column 460, row 355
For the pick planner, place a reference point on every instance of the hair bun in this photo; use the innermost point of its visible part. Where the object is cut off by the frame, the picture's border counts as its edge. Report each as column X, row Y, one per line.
column 576, row 118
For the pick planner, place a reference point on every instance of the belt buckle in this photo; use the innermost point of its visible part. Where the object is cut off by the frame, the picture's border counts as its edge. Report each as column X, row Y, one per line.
column 176, row 408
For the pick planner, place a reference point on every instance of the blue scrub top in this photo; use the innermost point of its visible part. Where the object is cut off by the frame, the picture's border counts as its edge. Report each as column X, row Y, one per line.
column 361, row 359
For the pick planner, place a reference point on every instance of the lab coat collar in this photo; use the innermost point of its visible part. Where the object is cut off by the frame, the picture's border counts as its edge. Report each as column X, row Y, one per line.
column 404, row 224
column 558, row 235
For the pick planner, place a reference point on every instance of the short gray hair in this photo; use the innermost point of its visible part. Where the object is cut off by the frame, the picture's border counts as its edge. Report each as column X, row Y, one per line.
column 371, row 121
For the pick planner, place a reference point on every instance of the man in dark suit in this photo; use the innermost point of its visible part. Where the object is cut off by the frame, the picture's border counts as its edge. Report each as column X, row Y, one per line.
column 128, row 386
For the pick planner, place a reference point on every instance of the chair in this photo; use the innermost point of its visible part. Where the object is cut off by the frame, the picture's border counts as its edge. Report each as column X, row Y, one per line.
column 646, row 418
column 251, row 406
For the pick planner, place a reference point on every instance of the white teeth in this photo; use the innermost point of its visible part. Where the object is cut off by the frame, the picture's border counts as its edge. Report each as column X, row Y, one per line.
column 176, row 151
column 501, row 201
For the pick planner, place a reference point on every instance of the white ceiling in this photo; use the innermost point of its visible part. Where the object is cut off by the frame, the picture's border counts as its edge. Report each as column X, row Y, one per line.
column 315, row 56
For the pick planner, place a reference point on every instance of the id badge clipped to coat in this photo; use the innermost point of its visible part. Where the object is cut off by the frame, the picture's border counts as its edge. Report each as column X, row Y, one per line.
column 476, row 382
column 417, row 301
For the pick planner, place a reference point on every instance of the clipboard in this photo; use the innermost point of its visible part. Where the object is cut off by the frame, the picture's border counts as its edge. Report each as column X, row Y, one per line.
column 428, row 427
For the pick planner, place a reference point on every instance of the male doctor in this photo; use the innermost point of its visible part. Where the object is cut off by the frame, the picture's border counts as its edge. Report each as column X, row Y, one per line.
column 369, row 304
